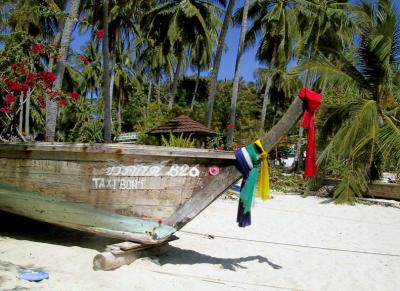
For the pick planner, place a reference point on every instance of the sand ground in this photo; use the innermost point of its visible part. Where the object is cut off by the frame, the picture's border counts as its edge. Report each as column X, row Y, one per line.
column 294, row 243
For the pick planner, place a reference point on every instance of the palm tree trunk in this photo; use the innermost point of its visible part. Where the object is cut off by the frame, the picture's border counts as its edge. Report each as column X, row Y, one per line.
column 27, row 111
column 266, row 101
column 113, row 62
column 236, row 79
column 106, row 76
column 176, row 77
column 149, row 92
column 52, row 108
column 158, row 94
column 112, row 78
column 217, row 62
column 119, row 111
column 196, row 87
column 21, row 111
column 266, row 97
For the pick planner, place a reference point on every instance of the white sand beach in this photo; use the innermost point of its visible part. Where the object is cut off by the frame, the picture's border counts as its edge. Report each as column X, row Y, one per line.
column 294, row 243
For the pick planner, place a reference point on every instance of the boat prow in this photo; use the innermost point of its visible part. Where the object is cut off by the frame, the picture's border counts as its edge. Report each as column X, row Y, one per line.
column 135, row 193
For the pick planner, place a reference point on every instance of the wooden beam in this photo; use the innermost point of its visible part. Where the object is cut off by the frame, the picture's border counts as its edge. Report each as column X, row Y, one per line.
column 126, row 253
column 230, row 175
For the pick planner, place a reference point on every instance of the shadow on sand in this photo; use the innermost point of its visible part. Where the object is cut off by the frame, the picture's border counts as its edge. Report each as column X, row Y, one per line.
column 178, row 256
column 21, row 228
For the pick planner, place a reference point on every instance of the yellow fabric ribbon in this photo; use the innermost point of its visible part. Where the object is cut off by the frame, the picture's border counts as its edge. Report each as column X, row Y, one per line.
column 263, row 180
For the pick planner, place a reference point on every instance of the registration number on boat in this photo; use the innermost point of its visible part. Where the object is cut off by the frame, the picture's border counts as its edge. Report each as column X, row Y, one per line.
column 154, row 171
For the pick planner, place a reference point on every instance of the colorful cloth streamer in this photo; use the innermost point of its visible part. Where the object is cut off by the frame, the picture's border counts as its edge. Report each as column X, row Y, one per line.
column 249, row 165
column 263, row 181
column 312, row 101
column 243, row 219
column 247, row 193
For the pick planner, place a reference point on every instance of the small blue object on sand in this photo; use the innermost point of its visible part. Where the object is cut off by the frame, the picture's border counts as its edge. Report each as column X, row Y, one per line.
column 33, row 276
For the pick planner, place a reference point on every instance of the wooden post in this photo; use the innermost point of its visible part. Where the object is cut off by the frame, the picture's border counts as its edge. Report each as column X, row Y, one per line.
column 126, row 253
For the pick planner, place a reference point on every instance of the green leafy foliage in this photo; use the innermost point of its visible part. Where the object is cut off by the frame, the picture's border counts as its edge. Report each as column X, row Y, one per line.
column 177, row 141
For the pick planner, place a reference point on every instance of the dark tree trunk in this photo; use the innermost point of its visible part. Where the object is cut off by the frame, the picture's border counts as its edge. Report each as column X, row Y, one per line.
column 149, row 92
column 21, row 112
column 196, row 87
column 176, row 77
column 158, row 93
column 236, row 79
column 217, row 62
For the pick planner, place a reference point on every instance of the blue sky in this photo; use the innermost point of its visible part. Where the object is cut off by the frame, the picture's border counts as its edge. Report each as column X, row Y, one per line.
column 248, row 63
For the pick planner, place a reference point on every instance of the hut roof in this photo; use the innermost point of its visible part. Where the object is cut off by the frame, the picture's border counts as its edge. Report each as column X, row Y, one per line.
column 182, row 124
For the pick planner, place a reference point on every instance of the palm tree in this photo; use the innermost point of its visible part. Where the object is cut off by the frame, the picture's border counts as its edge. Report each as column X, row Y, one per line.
column 52, row 108
column 276, row 23
column 106, row 76
column 360, row 132
column 217, row 61
column 155, row 62
column 91, row 71
column 200, row 58
column 324, row 24
column 175, row 25
column 236, row 79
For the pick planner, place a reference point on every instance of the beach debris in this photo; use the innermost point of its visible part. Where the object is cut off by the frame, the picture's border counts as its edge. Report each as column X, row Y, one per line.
column 33, row 276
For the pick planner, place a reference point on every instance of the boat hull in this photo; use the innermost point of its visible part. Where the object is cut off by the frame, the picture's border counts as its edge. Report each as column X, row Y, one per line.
column 136, row 193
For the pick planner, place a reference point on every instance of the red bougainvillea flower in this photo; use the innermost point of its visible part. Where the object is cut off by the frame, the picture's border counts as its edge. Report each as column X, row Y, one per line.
column 21, row 69
column 230, row 125
column 14, row 66
column 47, row 77
column 62, row 102
column 38, row 48
column 53, row 94
column 5, row 109
column 30, row 77
column 10, row 98
column 75, row 95
column 85, row 60
column 15, row 86
column 99, row 33
column 41, row 101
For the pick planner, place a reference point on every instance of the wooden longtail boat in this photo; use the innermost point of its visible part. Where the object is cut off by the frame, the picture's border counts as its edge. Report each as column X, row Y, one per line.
column 136, row 193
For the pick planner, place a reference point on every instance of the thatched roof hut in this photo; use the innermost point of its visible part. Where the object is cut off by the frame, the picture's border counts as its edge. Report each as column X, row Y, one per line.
column 182, row 125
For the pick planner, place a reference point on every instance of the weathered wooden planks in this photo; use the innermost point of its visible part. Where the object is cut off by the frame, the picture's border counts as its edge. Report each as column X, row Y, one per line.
column 100, row 152
column 384, row 190
column 99, row 184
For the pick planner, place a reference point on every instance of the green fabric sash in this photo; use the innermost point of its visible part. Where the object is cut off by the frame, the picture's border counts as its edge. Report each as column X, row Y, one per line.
column 247, row 193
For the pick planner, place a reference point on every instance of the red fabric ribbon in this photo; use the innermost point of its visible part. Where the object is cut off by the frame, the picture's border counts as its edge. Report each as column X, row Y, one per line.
column 312, row 100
